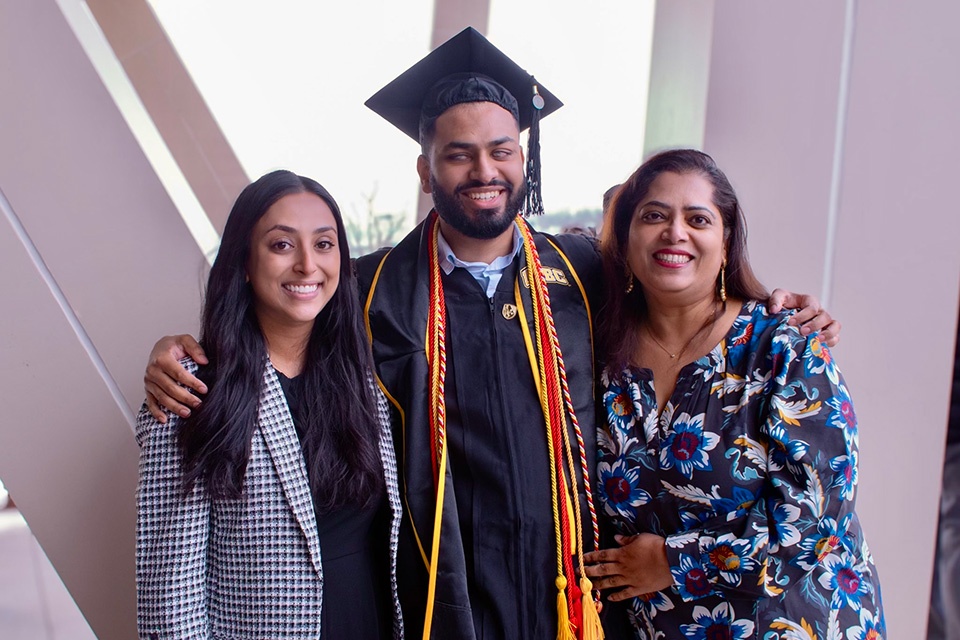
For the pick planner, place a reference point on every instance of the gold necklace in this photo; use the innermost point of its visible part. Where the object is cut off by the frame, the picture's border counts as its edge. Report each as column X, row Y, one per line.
column 712, row 320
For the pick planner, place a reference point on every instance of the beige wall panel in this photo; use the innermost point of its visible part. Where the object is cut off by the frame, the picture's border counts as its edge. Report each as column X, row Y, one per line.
column 774, row 82
column 112, row 242
column 774, row 100
column 896, row 279
column 66, row 451
column 88, row 198
column 174, row 103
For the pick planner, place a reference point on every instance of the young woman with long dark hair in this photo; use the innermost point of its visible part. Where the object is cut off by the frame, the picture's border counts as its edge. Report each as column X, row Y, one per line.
column 272, row 511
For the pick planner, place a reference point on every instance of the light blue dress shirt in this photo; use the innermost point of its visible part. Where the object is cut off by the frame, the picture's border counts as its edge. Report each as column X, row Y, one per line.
column 488, row 275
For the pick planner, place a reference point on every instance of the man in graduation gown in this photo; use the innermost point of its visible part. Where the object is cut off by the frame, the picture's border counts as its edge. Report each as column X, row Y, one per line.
column 499, row 556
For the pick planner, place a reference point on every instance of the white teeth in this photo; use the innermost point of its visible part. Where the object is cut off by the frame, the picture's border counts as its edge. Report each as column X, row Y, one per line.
column 674, row 258
column 486, row 195
column 301, row 288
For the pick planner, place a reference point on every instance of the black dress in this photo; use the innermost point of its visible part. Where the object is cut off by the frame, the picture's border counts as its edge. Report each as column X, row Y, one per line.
column 353, row 550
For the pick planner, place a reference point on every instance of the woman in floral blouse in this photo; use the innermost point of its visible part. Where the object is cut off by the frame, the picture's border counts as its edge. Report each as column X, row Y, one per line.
column 728, row 465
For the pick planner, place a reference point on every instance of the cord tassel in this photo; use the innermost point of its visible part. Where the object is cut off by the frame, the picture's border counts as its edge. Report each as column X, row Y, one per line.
column 564, row 628
column 591, row 629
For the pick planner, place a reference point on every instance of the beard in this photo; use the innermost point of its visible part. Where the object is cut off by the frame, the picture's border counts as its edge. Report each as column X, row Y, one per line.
column 486, row 225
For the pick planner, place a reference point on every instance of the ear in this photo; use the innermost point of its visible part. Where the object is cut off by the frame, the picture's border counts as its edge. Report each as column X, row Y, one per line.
column 423, row 170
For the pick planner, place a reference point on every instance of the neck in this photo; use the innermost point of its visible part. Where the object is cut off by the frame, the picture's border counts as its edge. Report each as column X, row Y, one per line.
column 476, row 250
column 287, row 347
column 677, row 322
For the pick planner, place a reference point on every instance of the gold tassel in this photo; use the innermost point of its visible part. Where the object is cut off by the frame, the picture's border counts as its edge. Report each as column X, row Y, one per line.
column 592, row 630
column 564, row 628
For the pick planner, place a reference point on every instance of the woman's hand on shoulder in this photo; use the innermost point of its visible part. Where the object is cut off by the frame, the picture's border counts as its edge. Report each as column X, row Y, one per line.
column 810, row 318
column 167, row 383
column 637, row 567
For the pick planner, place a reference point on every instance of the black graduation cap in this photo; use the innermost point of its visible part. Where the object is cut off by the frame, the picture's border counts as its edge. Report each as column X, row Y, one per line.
column 468, row 68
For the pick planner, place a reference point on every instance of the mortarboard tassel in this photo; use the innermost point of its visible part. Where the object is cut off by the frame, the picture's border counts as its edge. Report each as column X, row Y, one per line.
column 534, row 204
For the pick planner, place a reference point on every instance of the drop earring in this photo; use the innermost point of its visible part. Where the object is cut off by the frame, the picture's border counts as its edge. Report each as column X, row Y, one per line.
column 723, row 281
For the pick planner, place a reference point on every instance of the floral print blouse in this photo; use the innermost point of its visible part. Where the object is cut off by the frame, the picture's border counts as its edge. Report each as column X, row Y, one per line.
column 750, row 474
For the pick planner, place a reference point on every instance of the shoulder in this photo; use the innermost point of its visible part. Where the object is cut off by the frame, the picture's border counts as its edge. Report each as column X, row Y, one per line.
column 788, row 348
column 146, row 424
column 758, row 315
column 583, row 252
column 365, row 268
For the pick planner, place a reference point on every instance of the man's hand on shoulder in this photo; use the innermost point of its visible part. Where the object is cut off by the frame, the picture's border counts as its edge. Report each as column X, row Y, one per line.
column 811, row 317
column 167, row 383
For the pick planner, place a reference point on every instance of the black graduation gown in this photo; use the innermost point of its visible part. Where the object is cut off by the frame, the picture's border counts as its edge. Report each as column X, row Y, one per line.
column 497, row 562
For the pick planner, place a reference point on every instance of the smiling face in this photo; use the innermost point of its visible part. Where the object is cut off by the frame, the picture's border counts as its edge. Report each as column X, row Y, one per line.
column 676, row 241
column 474, row 169
column 294, row 264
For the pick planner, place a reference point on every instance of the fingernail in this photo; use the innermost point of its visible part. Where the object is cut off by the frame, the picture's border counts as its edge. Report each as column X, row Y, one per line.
column 185, row 413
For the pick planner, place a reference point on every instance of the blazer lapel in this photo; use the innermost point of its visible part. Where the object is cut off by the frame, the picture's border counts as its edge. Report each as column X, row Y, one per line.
column 278, row 430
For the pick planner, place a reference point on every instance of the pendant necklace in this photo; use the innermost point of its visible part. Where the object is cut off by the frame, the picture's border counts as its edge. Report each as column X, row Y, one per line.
column 712, row 320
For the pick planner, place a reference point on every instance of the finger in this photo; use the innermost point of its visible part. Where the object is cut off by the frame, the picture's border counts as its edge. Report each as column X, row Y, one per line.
column 193, row 349
column 830, row 334
column 625, row 540
column 169, row 373
column 807, row 314
column 170, row 403
column 775, row 304
column 816, row 323
column 626, row 593
column 175, row 382
column 603, row 555
column 609, row 582
column 601, row 569
column 154, row 408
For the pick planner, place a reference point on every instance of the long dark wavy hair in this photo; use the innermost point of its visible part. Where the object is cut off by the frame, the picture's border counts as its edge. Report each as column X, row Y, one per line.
column 620, row 322
column 337, row 409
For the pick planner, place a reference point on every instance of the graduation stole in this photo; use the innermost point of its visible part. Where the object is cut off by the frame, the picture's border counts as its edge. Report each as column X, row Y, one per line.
column 576, row 606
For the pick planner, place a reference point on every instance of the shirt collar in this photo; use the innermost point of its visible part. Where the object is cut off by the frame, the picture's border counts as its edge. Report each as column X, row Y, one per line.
column 449, row 261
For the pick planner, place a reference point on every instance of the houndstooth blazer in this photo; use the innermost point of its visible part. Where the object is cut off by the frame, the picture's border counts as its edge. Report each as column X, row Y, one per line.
column 247, row 568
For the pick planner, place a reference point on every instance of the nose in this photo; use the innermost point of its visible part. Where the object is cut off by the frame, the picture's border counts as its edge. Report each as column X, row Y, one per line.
column 675, row 231
column 484, row 169
column 305, row 261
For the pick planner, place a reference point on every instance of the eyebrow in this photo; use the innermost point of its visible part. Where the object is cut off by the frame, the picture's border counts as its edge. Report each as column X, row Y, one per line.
column 469, row 145
column 664, row 205
column 286, row 229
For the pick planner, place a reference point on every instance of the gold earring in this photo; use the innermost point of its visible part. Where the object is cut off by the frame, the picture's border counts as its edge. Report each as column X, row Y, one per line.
column 629, row 282
column 723, row 281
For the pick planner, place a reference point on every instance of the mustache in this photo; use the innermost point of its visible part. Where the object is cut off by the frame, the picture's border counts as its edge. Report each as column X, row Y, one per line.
column 476, row 184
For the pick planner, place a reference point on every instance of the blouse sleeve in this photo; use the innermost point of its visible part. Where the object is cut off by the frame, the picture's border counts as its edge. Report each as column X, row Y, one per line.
column 172, row 538
column 805, row 446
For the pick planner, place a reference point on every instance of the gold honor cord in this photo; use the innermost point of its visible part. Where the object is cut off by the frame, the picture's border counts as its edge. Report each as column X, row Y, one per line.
column 552, row 386
column 437, row 362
